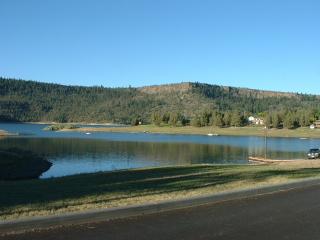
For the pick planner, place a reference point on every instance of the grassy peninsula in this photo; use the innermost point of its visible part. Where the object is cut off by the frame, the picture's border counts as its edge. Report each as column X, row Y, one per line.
column 121, row 188
column 302, row 132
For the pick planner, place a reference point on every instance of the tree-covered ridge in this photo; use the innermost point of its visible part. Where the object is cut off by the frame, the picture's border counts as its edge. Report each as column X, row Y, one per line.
column 34, row 101
column 254, row 101
column 175, row 104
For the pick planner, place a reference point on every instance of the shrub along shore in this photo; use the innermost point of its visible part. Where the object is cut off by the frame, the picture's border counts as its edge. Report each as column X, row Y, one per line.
column 60, row 126
column 122, row 188
column 20, row 164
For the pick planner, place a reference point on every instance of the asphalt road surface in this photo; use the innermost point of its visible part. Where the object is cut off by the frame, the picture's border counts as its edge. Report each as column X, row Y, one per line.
column 293, row 214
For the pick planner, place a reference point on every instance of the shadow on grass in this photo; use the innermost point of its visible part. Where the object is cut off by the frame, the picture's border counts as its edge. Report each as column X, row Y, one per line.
column 125, row 184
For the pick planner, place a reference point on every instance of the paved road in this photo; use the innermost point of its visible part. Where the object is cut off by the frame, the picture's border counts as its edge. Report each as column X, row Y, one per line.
column 293, row 214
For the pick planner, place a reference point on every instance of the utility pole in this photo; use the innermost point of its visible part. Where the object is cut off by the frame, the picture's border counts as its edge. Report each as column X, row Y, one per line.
column 265, row 142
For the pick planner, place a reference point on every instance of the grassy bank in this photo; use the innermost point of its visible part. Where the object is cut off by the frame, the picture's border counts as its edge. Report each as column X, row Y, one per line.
column 232, row 131
column 121, row 188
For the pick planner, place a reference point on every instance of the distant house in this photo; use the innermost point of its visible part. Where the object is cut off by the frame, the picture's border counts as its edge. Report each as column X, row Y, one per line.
column 259, row 121
column 255, row 121
column 251, row 119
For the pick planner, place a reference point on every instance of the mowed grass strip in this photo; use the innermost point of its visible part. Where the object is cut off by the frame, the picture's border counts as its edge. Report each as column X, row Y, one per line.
column 121, row 188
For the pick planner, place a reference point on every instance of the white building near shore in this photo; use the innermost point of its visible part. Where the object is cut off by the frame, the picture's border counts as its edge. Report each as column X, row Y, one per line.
column 255, row 120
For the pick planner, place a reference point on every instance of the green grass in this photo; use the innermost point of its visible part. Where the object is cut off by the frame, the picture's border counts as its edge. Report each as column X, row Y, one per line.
column 239, row 131
column 121, row 188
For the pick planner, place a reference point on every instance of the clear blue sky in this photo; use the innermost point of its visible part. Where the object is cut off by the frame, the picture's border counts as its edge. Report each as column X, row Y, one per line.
column 265, row 44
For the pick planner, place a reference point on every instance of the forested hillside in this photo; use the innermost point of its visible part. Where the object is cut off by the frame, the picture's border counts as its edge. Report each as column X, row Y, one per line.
column 33, row 101
column 195, row 103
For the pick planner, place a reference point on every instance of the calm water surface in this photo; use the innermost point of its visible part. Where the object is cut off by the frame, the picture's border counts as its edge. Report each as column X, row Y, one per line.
column 73, row 152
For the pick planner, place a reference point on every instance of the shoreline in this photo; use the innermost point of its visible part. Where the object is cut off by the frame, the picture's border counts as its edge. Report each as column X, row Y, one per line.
column 75, row 123
column 304, row 133
column 4, row 133
column 301, row 132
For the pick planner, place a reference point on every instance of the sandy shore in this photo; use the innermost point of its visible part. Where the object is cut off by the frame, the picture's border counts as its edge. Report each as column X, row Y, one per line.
column 307, row 163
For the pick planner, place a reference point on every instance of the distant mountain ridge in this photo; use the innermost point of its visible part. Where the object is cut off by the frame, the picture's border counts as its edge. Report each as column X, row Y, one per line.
column 174, row 87
column 35, row 101
column 186, row 86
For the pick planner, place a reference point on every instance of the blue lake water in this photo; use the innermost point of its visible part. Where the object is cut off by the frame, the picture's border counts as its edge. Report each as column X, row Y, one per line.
column 75, row 152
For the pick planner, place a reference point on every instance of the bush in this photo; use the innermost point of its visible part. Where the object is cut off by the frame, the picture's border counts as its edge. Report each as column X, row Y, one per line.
column 57, row 127
column 20, row 164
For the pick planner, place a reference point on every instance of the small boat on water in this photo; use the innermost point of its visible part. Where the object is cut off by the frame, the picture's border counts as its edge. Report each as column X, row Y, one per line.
column 87, row 133
column 212, row 134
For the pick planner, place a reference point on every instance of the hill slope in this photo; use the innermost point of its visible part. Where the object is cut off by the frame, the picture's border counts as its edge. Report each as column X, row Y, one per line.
column 34, row 101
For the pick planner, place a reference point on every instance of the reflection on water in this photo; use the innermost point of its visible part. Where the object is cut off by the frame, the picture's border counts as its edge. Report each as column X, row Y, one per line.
column 83, row 155
column 73, row 153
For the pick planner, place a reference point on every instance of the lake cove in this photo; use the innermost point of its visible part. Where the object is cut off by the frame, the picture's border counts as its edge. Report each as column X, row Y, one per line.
column 76, row 152
column 105, row 169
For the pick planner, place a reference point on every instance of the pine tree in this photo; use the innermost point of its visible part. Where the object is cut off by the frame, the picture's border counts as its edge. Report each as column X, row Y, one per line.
column 289, row 121
column 196, row 121
column 276, row 120
column 218, row 120
column 268, row 120
column 227, row 119
column 156, row 118
column 236, row 120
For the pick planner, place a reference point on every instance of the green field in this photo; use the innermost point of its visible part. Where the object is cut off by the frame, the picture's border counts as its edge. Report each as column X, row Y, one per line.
column 122, row 188
column 302, row 132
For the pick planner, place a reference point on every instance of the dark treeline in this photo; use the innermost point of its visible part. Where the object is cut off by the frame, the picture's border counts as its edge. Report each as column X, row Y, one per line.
column 183, row 104
column 291, row 118
column 271, row 119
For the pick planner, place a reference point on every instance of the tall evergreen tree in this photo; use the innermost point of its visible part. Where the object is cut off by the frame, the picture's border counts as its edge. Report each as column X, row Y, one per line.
column 268, row 120
column 218, row 120
column 290, row 121
column 236, row 119
column 276, row 121
column 156, row 118
column 227, row 118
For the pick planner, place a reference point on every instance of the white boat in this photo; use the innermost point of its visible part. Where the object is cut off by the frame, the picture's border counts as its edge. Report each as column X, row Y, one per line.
column 212, row 134
column 87, row 133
